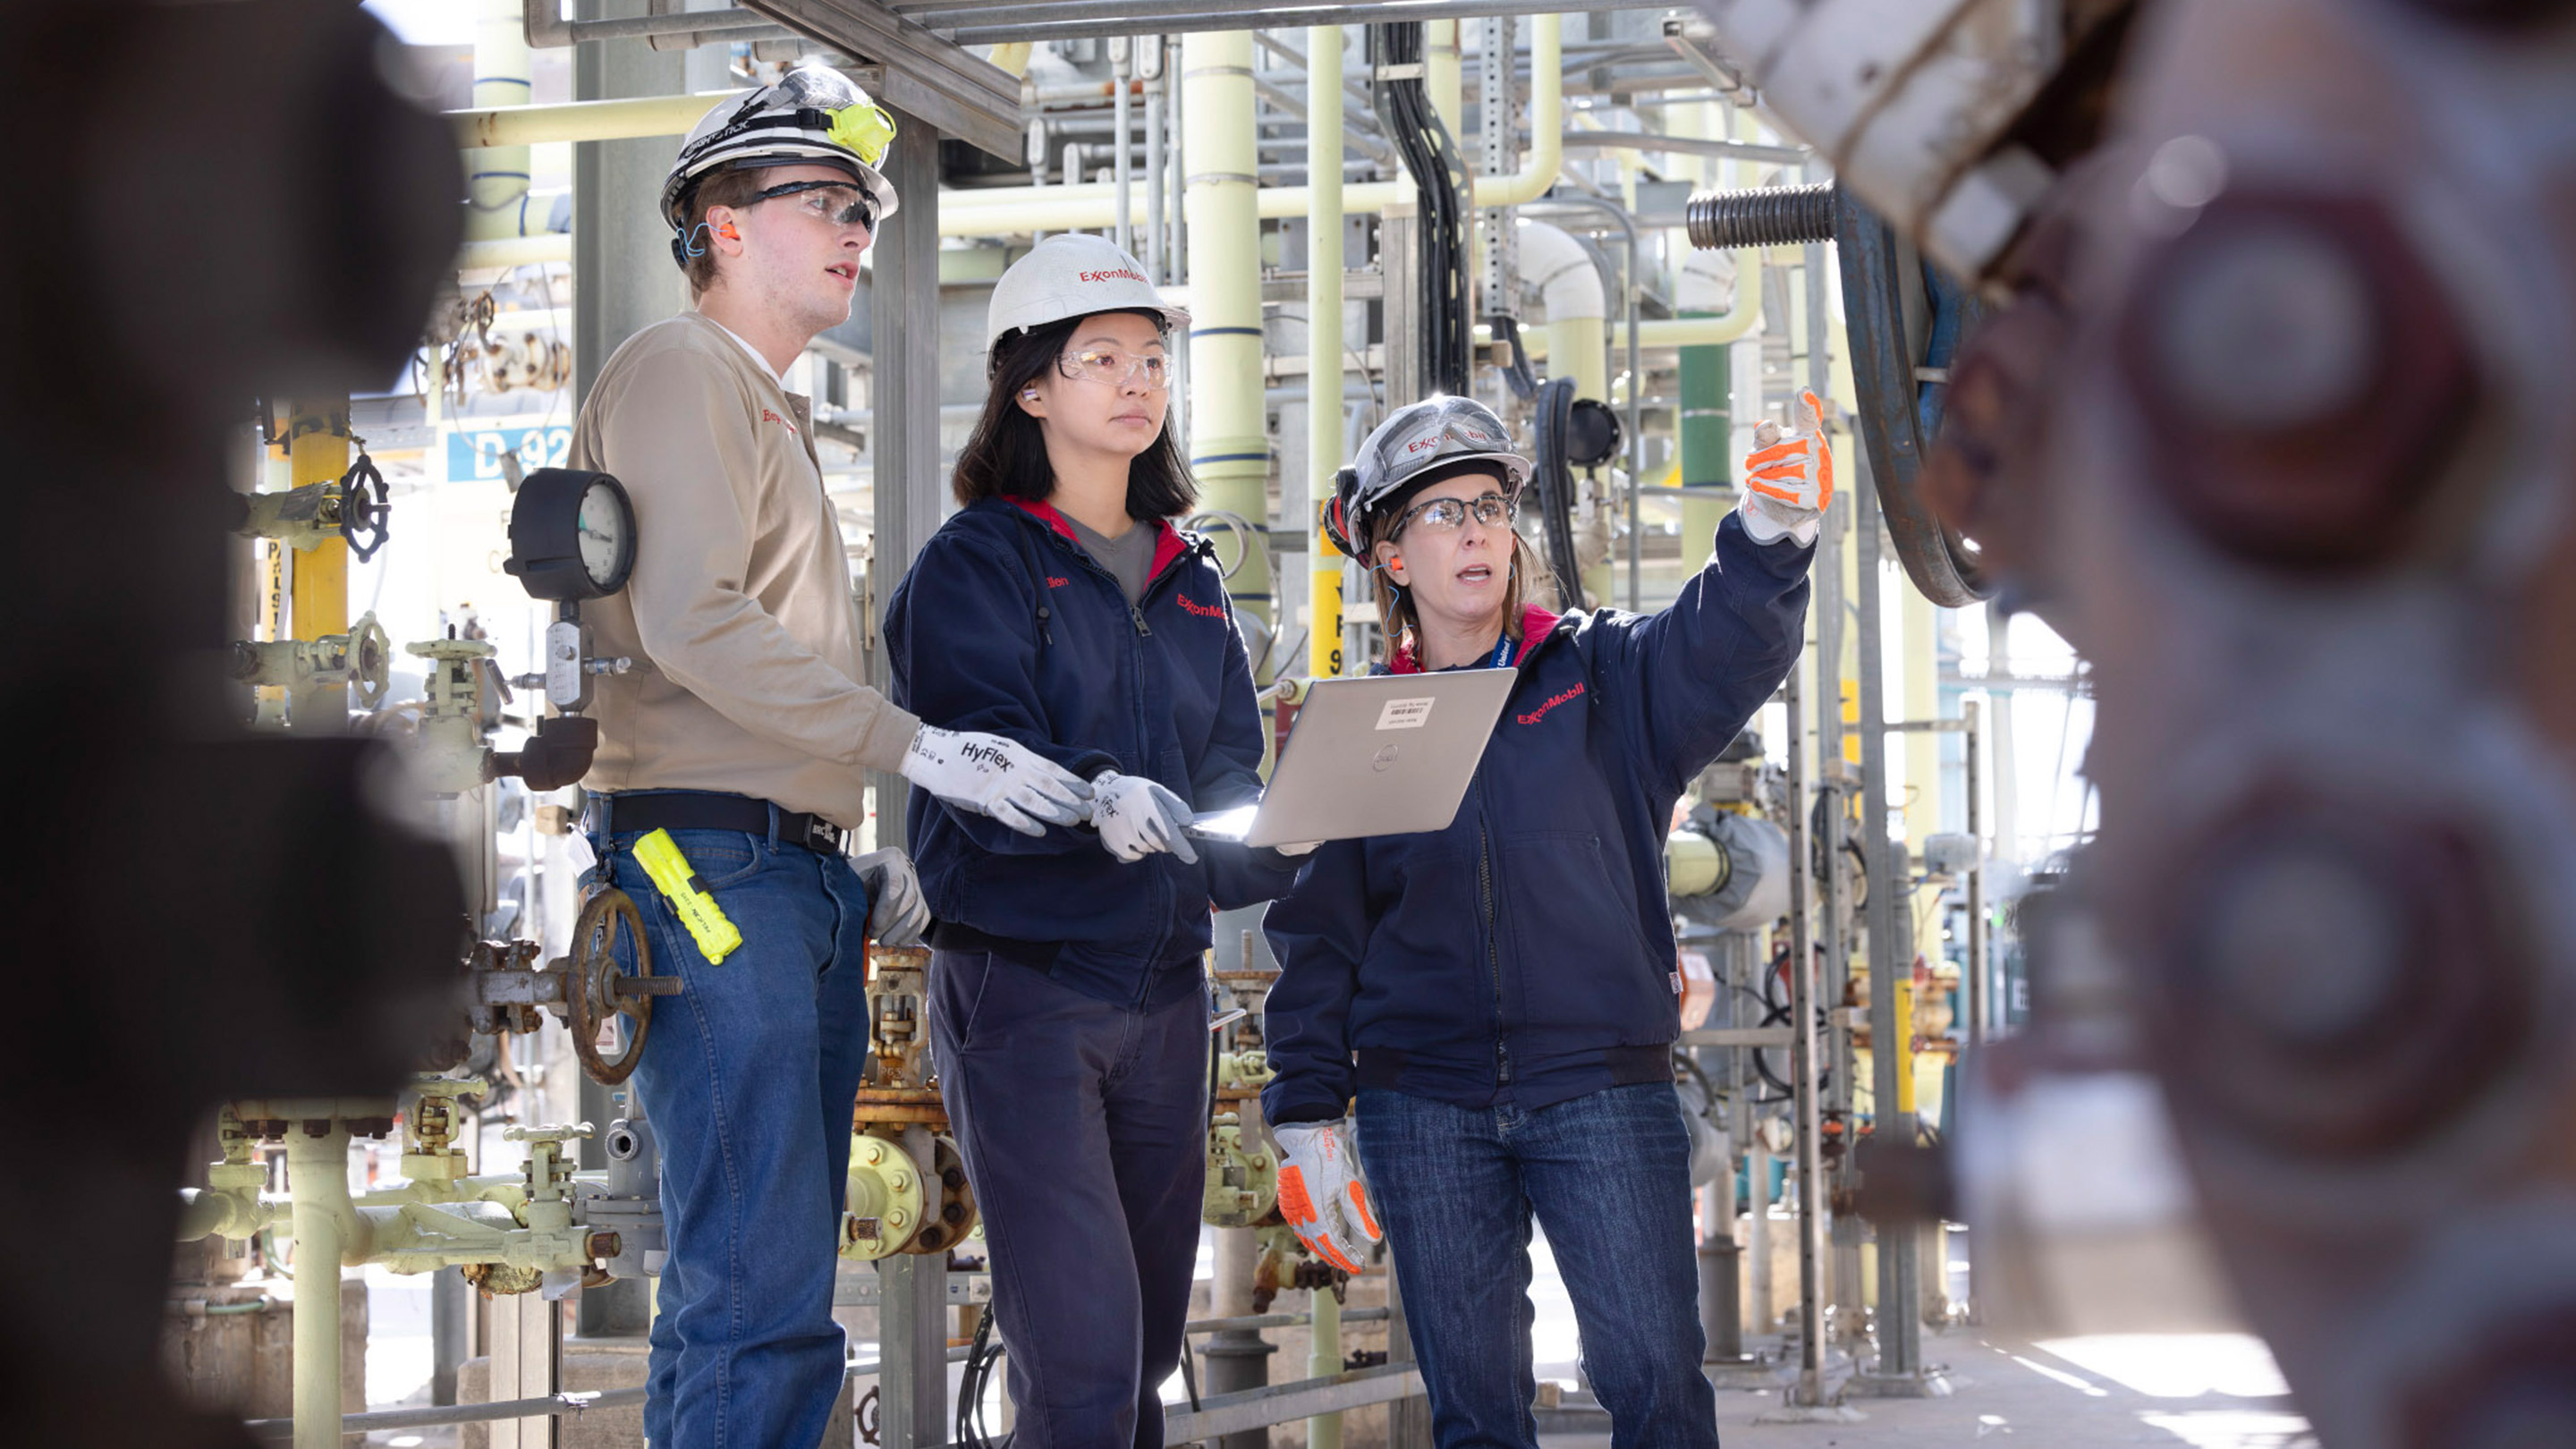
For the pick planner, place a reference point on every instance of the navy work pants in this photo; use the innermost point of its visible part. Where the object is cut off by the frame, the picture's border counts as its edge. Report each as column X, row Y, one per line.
column 1084, row 1128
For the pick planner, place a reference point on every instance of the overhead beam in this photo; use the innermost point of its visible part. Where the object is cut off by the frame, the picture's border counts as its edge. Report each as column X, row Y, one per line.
column 985, row 23
column 950, row 88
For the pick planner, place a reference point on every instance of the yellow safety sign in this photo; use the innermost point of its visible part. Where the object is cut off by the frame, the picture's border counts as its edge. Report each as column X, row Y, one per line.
column 678, row 881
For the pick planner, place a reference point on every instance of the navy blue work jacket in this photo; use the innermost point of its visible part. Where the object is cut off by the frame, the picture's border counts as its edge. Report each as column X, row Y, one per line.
column 1525, row 954
column 1004, row 624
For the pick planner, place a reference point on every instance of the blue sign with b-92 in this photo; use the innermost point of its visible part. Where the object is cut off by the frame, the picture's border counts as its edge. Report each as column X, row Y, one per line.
column 475, row 452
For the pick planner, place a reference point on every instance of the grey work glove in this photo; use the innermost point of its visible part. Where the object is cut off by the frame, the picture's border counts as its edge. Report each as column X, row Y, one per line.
column 1136, row 817
column 990, row 775
column 897, row 914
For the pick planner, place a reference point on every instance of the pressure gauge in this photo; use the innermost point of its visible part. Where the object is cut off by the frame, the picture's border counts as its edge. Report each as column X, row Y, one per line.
column 572, row 535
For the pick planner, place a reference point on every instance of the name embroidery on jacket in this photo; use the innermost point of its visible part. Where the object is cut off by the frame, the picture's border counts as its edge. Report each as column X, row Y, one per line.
column 767, row 416
column 1540, row 713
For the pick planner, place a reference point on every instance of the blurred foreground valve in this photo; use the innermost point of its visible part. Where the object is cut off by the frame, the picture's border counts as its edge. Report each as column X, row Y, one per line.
column 2302, row 378
column 237, row 201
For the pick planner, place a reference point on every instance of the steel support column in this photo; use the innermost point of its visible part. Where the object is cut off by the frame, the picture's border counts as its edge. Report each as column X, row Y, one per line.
column 904, row 443
column 1891, row 954
column 626, row 282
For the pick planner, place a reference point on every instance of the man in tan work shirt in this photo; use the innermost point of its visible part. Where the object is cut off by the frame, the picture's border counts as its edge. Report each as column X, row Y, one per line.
column 744, row 732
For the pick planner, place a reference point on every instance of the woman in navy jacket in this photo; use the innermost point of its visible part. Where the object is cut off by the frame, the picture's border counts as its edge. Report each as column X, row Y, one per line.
column 1500, row 997
column 1060, row 609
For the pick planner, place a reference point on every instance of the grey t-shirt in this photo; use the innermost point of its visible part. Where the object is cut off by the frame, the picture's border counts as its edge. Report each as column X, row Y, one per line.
column 1129, row 557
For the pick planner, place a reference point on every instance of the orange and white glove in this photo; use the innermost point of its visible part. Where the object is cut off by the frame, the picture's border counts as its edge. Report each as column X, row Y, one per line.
column 1321, row 1193
column 1787, row 484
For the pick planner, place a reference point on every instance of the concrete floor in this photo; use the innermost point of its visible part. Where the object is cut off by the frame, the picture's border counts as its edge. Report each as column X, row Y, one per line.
column 2217, row 1391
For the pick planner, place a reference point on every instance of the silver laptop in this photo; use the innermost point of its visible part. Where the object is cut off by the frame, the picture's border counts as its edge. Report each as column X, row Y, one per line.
column 1388, row 754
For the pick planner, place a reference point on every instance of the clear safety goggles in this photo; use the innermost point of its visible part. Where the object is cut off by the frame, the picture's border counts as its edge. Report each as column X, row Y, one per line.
column 1113, row 368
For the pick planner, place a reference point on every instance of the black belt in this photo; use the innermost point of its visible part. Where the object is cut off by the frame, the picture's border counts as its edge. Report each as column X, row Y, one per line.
column 630, row 813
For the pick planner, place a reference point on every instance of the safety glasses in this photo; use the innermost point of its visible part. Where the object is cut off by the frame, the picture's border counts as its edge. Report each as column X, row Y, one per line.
column 1112, row 368
column 837, row 203
column 1448, row 515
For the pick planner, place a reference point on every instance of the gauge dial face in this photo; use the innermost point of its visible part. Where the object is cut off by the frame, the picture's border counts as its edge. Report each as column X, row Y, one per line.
column 602, row 532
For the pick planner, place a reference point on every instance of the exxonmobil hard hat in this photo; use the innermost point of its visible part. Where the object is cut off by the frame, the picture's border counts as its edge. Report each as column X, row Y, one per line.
column 1072, row 275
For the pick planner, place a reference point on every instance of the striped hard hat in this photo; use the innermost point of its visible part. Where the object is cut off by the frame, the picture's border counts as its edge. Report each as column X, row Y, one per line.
column 813, row 115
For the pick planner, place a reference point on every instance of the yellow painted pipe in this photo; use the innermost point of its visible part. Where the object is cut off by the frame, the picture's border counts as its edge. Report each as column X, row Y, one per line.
column 496, row 178
column 1324, row 441
column 1011, row 210
column 1667, row 331
column 515, row 251
column 317, row 451
column 583, row 120
column 1440, row 72
column 318, row 1174
column 1323, row 1361
column 1229, row 436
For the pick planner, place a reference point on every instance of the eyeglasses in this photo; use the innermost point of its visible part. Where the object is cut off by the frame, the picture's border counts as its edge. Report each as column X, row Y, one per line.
column 1448, row 515
column 836, row 202
column 1113, row 368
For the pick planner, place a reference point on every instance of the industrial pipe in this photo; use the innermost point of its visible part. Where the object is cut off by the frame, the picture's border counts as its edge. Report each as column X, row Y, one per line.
column 317, row 451
column 585, row 120
column 544, row 27
column 1010, row 210
column 317, row 1175
column 1440, row 72
column 1660, row 332
column 1577, row 301
column 496, row 178
column 515, row 251
column 1324, row 441
column 1324, row 1359
column 1122, row 164
column 1229, row 437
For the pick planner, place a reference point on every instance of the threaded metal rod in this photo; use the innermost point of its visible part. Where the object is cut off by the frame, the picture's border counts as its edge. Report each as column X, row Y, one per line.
column 1767, row 216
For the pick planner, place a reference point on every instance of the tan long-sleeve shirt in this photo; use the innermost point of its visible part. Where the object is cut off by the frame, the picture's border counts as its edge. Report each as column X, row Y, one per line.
column 739, row 613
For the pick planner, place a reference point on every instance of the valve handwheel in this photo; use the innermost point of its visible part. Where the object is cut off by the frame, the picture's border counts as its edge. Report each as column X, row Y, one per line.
column 598, row 986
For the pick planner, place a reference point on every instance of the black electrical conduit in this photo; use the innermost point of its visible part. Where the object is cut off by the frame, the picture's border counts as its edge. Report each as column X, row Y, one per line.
column 1430, row 157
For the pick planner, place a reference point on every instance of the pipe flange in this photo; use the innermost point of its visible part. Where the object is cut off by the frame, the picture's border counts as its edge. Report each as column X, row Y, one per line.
column 2356, row 978
column 885, row 1199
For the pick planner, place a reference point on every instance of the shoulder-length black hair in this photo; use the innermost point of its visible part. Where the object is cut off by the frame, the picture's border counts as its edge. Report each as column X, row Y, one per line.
column 1005, row 457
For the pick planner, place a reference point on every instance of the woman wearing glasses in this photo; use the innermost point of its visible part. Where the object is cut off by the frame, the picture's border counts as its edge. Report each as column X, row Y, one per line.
column 1060, row 609
column 1500, row 996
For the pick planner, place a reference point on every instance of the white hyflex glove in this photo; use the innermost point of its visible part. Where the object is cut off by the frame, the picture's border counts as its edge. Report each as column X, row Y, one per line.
column 896, row 911
column 994, row 776
column 1322, row 1194
column 1787, row 485
column 1137, row 817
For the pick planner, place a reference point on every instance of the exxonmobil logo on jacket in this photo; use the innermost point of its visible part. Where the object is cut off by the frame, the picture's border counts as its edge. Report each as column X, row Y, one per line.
column 1193, row 606
column 1553, row 700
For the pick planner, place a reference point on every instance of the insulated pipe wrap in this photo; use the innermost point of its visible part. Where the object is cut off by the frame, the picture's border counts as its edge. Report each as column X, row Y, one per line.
column 1767, row 216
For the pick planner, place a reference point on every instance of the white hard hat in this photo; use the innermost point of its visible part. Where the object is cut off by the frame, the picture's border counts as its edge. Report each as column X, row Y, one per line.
column 1072, row 275
column 813, row 115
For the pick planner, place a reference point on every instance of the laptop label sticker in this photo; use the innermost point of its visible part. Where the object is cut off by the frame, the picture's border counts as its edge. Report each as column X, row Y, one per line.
column 1404, row 714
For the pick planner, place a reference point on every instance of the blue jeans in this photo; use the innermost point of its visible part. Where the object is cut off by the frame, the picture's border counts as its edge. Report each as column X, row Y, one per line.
column 748, row 1076
column 1084, row 1128
column 1608, row 1176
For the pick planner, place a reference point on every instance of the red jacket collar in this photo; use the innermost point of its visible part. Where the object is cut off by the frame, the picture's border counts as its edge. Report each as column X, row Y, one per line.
column 1167, row 539
column 1536, row 624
